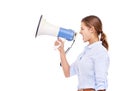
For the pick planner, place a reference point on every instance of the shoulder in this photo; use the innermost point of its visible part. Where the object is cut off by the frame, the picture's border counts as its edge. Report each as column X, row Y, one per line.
column 99, row 51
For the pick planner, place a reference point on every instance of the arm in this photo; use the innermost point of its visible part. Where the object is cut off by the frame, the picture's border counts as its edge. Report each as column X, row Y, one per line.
column 64, row 63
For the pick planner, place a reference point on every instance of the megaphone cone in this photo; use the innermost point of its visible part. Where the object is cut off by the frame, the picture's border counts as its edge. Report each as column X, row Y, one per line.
column 45, row 28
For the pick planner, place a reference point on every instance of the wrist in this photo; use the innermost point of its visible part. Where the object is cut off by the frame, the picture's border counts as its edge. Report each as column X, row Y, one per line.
column 62, row 51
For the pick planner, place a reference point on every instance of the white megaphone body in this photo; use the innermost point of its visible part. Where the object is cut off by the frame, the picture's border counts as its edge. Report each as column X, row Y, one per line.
column 45, row 28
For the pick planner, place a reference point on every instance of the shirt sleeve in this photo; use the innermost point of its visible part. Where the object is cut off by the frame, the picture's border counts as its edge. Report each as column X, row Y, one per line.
column 101, row 70
column 72, row 69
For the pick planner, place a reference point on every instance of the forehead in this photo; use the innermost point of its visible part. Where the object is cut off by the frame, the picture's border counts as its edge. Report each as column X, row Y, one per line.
column 83, row 24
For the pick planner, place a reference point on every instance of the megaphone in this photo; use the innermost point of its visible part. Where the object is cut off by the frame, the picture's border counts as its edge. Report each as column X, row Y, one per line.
column 45, row 28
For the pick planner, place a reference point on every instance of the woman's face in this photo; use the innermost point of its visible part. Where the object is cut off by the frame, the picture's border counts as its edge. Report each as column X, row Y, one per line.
column 85, row 32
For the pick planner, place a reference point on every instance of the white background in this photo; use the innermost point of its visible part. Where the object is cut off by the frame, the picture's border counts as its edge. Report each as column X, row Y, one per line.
column 31, row 64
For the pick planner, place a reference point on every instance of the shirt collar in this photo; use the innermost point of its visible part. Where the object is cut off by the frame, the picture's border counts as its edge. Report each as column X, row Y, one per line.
column 93, row 44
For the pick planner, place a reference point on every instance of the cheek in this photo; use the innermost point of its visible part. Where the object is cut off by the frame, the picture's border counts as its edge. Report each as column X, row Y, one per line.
column 86, row 36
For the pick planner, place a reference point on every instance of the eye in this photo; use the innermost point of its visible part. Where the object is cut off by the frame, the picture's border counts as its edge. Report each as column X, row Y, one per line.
column 82, row 28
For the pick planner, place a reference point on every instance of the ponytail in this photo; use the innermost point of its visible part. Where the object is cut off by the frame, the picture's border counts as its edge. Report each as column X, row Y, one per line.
column 104, row 40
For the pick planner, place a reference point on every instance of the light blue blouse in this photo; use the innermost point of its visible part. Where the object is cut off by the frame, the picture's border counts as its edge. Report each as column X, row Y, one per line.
column 91, row 67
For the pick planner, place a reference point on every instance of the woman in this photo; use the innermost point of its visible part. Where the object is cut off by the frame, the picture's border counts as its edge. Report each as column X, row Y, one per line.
column 91, row 66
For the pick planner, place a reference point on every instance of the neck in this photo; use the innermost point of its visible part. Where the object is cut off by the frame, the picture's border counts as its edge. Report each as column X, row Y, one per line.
column 93, row 40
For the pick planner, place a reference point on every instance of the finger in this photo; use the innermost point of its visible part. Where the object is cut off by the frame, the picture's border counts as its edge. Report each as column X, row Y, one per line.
column 62, row 40
column 57, row 45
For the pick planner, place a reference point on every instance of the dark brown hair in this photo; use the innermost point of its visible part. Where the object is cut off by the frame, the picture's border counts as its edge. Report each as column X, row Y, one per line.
column 95, row 21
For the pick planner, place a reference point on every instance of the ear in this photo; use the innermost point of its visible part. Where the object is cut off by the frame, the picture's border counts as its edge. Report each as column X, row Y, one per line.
column 92, row 29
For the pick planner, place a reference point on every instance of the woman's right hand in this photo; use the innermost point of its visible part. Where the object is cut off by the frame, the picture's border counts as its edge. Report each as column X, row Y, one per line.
column 59, row 43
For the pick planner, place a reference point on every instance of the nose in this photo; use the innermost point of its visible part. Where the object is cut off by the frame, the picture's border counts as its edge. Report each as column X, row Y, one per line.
column 80, row 32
